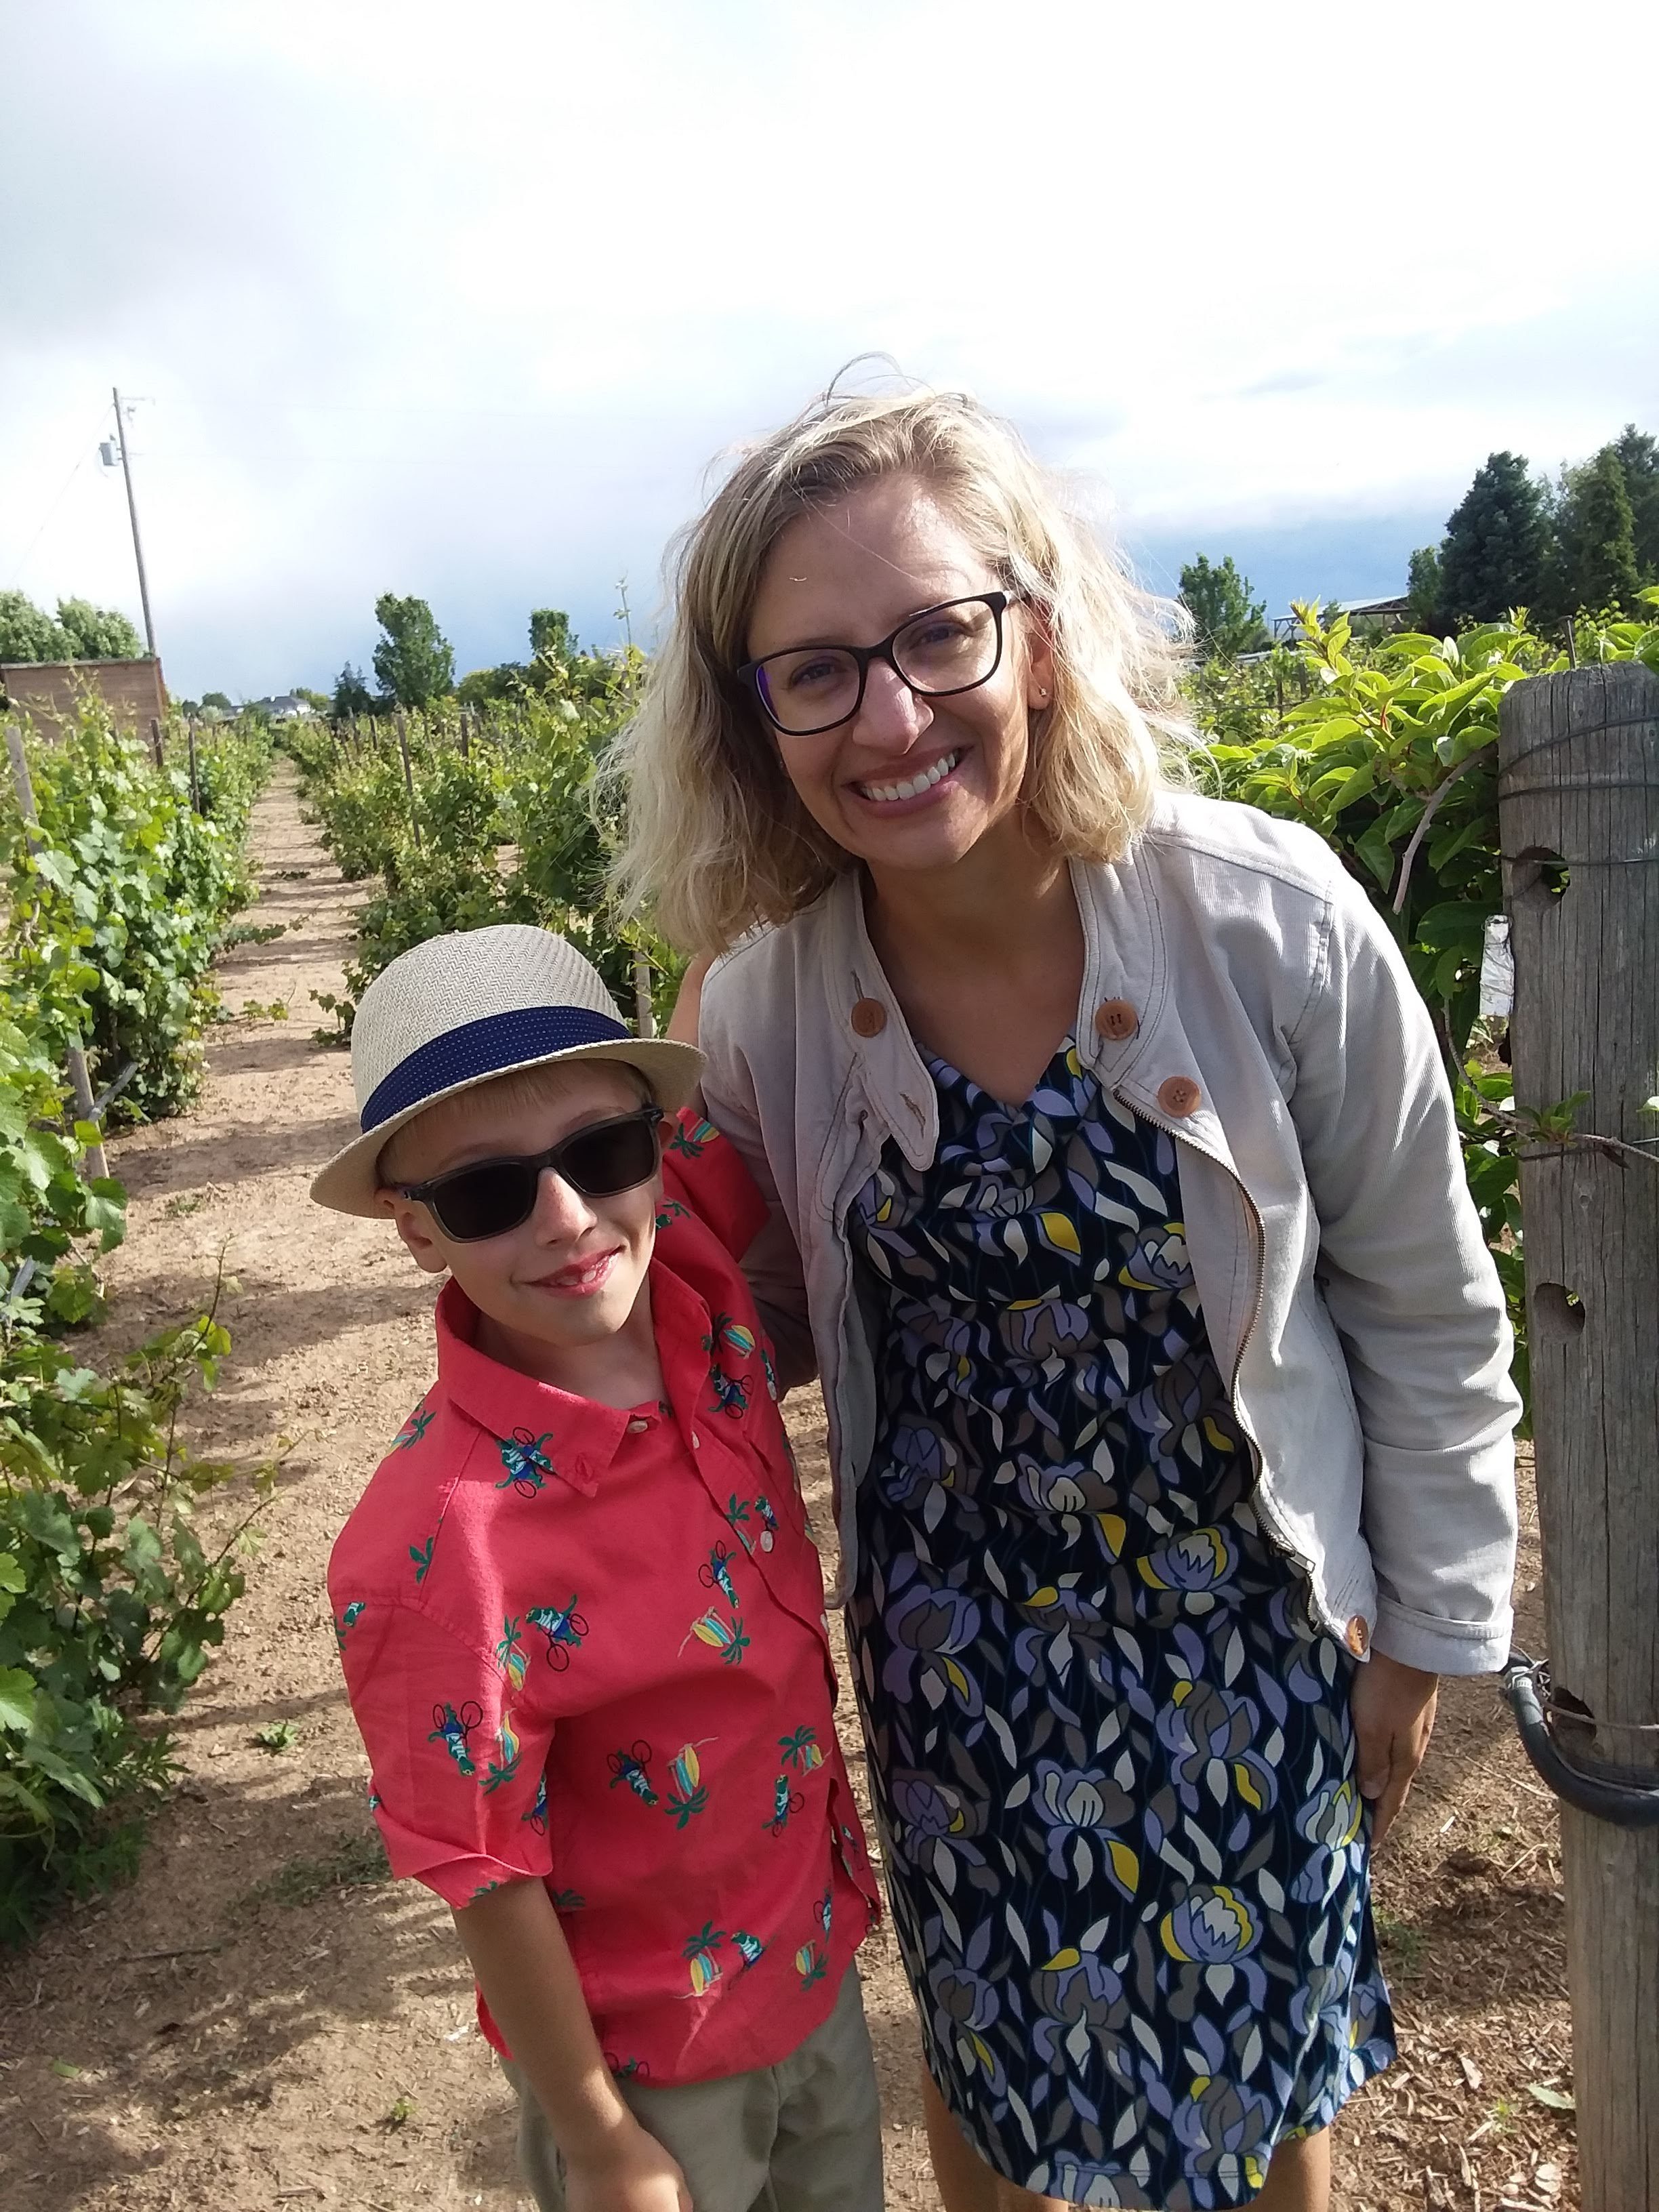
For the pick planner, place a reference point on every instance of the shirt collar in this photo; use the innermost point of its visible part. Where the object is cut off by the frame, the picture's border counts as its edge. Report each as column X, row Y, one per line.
column 577, row 1438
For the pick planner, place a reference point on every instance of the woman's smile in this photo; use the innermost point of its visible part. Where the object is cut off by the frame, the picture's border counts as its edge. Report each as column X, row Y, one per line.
column 922, row 782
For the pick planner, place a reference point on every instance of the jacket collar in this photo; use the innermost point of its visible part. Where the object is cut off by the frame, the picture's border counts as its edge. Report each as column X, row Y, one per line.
column 1125, row 958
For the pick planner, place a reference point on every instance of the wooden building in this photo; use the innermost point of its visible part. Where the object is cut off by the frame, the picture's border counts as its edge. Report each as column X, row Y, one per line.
column 48, row 692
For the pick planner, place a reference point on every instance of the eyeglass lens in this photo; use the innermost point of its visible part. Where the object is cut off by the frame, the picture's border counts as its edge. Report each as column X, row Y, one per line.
column 498, row 1194
column 950, row 648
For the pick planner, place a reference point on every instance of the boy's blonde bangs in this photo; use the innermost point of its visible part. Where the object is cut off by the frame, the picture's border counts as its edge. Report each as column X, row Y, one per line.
column 717, row 840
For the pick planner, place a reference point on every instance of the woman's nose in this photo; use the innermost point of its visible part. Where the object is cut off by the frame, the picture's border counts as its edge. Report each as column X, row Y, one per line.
column 561, row 1213
column 893, row 716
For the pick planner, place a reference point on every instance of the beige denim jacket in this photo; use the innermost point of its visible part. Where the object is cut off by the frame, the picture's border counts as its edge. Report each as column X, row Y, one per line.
column 1240, row 992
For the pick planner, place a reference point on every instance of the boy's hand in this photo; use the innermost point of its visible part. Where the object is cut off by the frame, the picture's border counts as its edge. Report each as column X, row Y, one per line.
column 633, row 2174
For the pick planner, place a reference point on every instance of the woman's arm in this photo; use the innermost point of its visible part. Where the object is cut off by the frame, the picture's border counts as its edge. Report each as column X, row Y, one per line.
column 688, row 1004
column 522, row 1963
column 1407, row 1280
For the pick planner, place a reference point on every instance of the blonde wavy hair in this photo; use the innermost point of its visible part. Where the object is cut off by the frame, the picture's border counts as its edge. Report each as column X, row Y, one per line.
column 717, row 840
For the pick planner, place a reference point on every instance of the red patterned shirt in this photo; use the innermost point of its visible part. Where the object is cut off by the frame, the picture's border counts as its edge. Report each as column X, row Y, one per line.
column 588, row 1646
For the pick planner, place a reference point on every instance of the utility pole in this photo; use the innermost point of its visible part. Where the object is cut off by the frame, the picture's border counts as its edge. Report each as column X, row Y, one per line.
column 132, row 510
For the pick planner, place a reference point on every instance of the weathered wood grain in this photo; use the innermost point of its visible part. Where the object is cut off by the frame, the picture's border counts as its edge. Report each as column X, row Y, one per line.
column 1579, row 783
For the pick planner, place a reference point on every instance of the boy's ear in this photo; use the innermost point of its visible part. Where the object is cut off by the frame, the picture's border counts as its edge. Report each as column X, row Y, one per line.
column 414, row 1225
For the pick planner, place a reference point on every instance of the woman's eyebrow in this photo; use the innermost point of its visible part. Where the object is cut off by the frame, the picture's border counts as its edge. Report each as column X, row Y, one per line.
column 818, row 644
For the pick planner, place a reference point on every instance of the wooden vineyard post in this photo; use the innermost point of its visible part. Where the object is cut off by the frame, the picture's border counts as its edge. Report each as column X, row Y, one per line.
column 645, row 1013
column 85, row 1108
column 195, row 780
column 157, row 751
column 409, row 778
column 1578, row 816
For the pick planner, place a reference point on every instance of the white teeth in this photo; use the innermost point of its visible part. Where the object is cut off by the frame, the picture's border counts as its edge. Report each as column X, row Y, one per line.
column 885, row 794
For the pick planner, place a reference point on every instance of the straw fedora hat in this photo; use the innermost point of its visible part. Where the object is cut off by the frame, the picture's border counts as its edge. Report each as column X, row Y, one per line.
column 459, row 1010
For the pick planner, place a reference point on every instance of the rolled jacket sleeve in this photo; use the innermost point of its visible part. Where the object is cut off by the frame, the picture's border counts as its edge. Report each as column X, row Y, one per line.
column 1411, row 1287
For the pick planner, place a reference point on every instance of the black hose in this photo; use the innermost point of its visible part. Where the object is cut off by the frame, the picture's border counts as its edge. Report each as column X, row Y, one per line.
column 1625, row 1805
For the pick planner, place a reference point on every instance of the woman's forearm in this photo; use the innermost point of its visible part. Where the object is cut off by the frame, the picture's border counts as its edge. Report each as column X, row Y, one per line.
column 522, row 1963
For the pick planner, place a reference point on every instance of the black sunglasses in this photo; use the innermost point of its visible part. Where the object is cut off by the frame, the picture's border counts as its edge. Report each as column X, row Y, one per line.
column 492, row 1196
column 945, row 649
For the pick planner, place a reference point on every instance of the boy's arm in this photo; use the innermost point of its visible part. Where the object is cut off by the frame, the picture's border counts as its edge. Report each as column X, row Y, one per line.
column 522, row 1963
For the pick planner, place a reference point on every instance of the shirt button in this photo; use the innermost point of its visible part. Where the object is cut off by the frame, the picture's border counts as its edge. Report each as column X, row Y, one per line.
column 1357, row 1636
column 696, row 1441
column 1179, row 1096
column 637, row 1424
column 869, row 1018
column 1115, row 1018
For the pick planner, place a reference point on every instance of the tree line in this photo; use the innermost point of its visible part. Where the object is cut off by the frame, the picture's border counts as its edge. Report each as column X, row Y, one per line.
column 80, row 631
column 414, row 663
column 1587, row 542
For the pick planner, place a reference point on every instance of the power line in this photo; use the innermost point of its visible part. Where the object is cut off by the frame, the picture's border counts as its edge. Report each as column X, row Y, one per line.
column 57, row 500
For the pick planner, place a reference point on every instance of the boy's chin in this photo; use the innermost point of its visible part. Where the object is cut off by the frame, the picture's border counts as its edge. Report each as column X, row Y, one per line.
column 562, row 1324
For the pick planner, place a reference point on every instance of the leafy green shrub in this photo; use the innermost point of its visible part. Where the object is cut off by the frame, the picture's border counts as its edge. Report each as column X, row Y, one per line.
column 528, row 785
column 109, row 1600
column 45, row 1208
column 1390, row 752
column 138, row 888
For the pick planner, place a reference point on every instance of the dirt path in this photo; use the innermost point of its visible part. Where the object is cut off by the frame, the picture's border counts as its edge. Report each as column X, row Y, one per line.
column 260, row 2021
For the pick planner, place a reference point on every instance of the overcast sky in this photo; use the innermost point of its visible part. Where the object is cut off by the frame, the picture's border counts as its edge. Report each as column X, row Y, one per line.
column 464, row 302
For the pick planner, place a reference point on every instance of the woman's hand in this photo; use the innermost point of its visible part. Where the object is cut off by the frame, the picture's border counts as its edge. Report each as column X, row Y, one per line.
column 1392, row 1708
column 634, row 2173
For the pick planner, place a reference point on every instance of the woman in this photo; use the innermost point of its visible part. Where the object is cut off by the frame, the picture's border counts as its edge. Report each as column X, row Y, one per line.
column 1117, row 1201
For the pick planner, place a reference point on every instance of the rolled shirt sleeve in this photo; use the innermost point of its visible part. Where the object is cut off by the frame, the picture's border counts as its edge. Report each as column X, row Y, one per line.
column 457, row 1766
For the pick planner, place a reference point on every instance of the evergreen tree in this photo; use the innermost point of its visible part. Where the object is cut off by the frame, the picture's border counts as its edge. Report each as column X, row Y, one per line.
column 1424, row 589
column 1227, row 620
column 1596, row 538
column 1492, row 557
column 414, row 660
column 351, row 695
column 1638, row 457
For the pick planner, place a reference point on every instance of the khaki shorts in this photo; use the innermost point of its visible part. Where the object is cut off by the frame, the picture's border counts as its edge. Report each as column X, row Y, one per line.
column 804, row 2135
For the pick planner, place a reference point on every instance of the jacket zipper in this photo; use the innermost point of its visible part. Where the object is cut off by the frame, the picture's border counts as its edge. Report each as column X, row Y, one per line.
column 1260, row 1498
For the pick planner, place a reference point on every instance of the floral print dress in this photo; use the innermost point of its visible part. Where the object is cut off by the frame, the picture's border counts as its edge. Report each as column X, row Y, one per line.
column 1111, row 1757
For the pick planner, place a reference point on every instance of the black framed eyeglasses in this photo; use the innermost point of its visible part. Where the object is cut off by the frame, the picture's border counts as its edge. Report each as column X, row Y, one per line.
column 954, row 647
column 488, row 1197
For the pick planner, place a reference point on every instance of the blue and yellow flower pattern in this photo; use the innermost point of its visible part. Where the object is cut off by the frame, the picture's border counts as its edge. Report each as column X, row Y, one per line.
column 1112, row 1761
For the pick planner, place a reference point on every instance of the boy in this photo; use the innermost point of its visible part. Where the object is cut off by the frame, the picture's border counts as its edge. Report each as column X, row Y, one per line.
column 580, row 1614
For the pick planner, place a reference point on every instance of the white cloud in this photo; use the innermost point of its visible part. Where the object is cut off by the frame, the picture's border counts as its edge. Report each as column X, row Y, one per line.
column 463, row 305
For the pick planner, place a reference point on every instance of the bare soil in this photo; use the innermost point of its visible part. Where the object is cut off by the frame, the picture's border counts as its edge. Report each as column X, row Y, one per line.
column 262, row 2019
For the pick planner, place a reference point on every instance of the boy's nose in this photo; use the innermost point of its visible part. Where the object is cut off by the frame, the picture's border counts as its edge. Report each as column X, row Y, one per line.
column 561, row 1213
